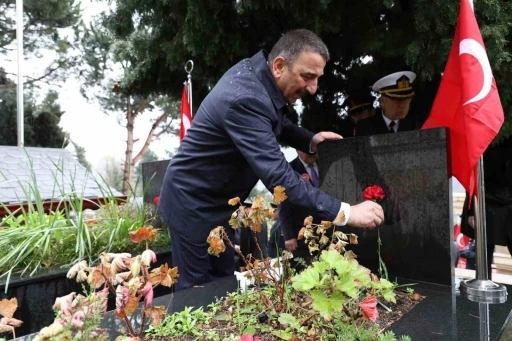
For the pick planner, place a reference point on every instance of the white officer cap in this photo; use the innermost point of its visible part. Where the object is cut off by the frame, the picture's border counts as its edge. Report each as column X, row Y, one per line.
column 396, row 85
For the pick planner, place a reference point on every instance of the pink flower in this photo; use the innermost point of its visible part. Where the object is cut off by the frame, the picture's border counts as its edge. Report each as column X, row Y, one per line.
column 103, row 295
column 369, row 308
column 122, row 295
column 156, row 200
column 78, row 319
column 147, row 292
column 148, row 257
column 248, row 337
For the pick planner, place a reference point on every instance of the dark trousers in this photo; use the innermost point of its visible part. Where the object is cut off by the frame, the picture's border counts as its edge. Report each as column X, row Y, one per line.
column 471, row 263
column 195, row 265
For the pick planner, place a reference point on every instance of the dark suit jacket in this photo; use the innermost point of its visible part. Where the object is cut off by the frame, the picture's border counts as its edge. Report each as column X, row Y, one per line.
column 234, row 141
column 376, row 125
column 291, row 217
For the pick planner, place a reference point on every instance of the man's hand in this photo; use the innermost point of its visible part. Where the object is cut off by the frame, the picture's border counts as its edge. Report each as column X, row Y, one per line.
column 291, row 244
column 367, row 214
column 321, row 137
column 471, row 221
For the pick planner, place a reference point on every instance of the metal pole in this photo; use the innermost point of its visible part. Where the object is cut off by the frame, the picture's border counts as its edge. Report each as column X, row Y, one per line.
column 189, row 89
column 189, row 66
column 481, row 289
column 19, row 41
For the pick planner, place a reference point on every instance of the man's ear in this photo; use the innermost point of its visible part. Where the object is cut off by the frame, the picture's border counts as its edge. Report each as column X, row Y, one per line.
column 278, row 66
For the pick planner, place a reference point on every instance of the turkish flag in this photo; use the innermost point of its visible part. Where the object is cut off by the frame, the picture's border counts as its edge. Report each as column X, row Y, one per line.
column 467, row 101
column 186, row 116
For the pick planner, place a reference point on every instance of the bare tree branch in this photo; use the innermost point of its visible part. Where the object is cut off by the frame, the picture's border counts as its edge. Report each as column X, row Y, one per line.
column 149, row 138
column 32, row 80
column 166, row 129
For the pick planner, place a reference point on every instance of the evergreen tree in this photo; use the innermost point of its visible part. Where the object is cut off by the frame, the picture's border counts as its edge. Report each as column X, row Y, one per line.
column 80, row 155
column 103, row 57
column 41, row 123
column 367, row 40
column 44, row 22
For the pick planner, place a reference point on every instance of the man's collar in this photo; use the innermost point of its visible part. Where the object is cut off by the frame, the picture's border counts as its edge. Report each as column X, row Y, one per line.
column 387, row 120
column 262, row 70
column 305, row 164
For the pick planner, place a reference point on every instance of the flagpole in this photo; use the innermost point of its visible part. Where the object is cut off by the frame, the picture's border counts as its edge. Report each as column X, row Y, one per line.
column 188, row 69
column 19, row 94
column 482, row 290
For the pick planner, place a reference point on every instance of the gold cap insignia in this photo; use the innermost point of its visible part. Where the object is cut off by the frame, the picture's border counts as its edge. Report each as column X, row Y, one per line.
column 403, row 83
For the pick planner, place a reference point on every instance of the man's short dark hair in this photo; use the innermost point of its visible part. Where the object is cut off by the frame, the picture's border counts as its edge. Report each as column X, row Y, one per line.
column 293, row 43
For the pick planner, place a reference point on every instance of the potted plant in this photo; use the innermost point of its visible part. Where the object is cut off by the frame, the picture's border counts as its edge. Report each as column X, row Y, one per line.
column 37, row 246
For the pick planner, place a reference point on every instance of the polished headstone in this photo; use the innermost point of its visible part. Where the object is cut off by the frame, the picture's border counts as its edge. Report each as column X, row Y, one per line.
column 412, row 169
column 153, row 174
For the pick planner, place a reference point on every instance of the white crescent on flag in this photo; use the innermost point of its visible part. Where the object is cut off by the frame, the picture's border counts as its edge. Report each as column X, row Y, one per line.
column 474, row 48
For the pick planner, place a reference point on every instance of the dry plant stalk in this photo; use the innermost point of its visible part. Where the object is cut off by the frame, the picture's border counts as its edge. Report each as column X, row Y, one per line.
column 252, row 217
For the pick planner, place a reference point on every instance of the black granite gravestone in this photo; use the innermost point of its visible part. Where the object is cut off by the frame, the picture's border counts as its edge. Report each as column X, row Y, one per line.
column 152, row 179
column 412, row 169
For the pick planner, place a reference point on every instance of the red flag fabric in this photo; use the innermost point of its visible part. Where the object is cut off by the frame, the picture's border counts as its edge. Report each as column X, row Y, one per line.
column 467, row 101
column 186, row 116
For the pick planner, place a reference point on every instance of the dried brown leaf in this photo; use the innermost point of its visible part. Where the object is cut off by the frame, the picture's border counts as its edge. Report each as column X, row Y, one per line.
column 8, row 307
column 131, row 306
column 156, row 314
column 279, row 195
column 353, row 239
column 143, row 233
column 234, row 201
column 308, row 221
column 258, row 202
column 7, row 324
column 164, row 276
column 301, row 233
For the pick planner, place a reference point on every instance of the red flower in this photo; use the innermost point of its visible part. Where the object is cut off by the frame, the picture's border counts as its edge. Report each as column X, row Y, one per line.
column 369, row 308
column 248, row 337
column 374, row 193
column 306, row 177
column 156, row 200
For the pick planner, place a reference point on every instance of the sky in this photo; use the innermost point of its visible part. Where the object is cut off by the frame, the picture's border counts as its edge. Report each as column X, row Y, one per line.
column 99, row 133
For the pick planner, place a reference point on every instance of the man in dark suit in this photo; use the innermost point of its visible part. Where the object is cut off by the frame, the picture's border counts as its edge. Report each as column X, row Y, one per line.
column 359, row 106
column 396, row 95
column 234, row 141
column 291, row 217
column 498, row 200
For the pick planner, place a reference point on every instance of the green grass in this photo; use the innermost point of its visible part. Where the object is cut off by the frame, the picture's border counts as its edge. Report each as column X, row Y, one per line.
column 31, row 239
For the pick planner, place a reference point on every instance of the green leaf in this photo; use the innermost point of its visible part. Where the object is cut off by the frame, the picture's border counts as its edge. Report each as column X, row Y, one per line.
column 348, row 285
column 321, row 267
column 288, row 319
column 344, row 267
column 306, row 280
column 282, row 334
column 389, row 295
column 361, row 274
column 326, row 305
column 249, row 330
column 331, row 257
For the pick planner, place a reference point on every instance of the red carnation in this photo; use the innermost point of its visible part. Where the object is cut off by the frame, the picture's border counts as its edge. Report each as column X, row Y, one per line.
column 156, row 200
column 369, row 308
column 374, row 193
column 248, row 337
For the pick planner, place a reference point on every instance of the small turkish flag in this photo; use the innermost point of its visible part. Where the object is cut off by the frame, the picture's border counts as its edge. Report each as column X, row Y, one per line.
column 467, row 101
column 186, row 116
